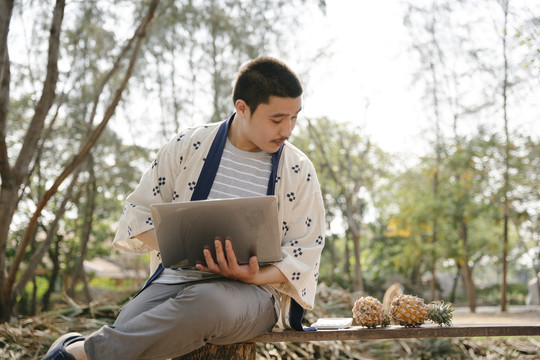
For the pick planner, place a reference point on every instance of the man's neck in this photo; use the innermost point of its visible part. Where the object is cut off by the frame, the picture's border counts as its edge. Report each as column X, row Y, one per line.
column 237, row 137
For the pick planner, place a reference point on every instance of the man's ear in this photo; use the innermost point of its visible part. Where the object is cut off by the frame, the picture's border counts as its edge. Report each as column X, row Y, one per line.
column 242, row 108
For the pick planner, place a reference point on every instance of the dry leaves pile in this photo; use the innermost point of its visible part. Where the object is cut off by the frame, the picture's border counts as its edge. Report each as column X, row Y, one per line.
column 439, row 348
column 29, row 338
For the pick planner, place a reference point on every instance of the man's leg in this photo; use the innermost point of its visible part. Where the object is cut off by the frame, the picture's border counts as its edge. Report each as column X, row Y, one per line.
column 218, row 311
column 144, row 301
column 152, row 296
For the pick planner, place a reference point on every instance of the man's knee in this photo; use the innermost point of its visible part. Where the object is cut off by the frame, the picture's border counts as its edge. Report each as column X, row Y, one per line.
column 211, row 300
column 226, row 301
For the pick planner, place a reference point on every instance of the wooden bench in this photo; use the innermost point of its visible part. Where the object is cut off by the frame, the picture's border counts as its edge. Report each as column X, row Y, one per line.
column 248, row 350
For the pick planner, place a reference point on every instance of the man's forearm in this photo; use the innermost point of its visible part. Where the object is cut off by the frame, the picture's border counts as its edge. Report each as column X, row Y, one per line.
column 269, row 274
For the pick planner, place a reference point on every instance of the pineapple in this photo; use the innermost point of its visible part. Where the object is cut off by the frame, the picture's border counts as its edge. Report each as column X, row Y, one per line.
column 409, row 310
column 369, row 312
column 441, row 313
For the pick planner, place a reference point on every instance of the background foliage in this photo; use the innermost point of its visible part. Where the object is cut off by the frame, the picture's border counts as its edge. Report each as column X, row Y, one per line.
column 442, row 225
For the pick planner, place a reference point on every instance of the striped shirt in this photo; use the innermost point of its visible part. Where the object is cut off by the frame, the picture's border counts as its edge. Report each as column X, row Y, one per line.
column 241, row 173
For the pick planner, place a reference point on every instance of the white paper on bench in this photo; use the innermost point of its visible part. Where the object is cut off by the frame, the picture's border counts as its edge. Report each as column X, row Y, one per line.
column 332, row 323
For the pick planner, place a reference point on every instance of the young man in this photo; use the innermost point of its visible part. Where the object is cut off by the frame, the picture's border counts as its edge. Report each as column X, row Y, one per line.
column 223, row 302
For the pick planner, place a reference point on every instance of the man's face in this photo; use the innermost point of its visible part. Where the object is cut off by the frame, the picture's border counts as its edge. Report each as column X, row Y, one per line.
column 269, row 126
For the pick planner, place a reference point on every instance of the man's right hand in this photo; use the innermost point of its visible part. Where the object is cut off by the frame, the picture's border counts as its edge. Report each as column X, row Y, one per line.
column 227, row 265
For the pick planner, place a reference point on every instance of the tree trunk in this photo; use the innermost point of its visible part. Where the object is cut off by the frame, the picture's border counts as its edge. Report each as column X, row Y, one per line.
column 469, row 286
column 353, row 207
column 329, row 247
column 33, row 302
column 54, row 254
column 240, row 351
column 434, row 234
column 455, row 283
column 88, row 215
column 12, row 177
column 214, row 32
column 467, row 272
column 538, row 285
column 347, row 262
column 8, row 189
column 358, row 275
column 506, row 186
column 8, row 201
column 433, row 283
column 438, row 145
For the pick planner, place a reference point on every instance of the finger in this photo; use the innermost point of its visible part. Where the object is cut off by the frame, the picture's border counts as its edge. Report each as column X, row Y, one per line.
column 220, row 255
column 254, row 265
column 201, row 267
column 210, row 264
column 231, row 256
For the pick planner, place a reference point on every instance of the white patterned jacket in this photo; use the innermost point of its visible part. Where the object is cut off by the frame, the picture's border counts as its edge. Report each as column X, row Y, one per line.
column 174, row 176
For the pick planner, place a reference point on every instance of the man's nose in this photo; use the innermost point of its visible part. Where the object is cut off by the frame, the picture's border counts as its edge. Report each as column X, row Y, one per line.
column 287, row 128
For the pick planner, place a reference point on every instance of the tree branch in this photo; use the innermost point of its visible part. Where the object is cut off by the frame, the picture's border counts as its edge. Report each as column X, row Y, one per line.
column 33, row 134
column 37, row 256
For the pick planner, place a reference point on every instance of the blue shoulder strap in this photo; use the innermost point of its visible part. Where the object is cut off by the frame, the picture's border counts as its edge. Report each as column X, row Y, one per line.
column 211, row 163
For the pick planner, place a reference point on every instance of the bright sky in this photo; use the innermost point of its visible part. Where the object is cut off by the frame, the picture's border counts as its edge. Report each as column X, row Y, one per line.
column 364, row 77
column 371, row 64
column 369, row 68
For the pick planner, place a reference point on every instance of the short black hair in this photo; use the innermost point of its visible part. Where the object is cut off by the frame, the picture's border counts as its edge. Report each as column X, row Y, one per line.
column 264, row 77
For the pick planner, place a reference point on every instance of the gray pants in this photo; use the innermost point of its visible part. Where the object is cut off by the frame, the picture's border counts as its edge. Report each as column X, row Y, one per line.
column 165, row 321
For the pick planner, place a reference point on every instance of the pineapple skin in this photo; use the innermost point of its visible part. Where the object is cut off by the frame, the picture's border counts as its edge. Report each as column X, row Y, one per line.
column 369, row 312
column 409, row 311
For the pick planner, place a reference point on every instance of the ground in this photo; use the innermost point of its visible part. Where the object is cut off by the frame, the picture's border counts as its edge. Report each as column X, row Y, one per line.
column 493, row 315
column 28, row 338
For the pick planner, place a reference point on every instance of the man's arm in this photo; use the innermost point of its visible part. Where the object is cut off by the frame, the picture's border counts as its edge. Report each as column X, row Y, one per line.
column 249, row 273
column 269, row 274
column 228, row 266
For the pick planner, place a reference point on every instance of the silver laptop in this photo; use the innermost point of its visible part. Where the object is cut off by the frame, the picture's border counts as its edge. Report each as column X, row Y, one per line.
column 184, row 229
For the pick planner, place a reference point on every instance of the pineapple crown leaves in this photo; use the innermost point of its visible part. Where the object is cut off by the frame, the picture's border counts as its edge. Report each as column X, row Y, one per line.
column 441, row 313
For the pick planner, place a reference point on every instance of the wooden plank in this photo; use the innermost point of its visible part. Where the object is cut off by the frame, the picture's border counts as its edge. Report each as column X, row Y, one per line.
column 247, row 350
column 397, row 332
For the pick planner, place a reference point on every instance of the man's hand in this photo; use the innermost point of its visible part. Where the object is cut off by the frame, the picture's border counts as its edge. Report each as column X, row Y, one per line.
column 227, row 264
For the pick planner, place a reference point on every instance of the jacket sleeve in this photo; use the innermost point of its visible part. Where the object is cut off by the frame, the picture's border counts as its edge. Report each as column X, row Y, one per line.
column 303, row 227
column 155, row 186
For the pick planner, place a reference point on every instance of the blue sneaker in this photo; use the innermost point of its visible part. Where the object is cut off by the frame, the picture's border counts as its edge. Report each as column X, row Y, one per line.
column 57, row 351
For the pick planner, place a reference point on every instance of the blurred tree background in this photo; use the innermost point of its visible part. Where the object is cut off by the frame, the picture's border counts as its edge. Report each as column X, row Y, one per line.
column 90, row 89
